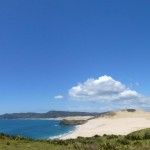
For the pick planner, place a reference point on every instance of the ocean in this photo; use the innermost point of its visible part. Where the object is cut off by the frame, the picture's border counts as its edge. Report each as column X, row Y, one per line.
column 36, row 129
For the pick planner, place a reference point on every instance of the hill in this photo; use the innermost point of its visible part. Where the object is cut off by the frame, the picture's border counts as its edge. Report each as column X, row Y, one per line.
column 50, row 114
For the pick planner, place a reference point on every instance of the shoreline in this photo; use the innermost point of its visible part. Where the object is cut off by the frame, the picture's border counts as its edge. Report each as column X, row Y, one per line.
column 63, row 135
column 116, row 123
column 122, row 123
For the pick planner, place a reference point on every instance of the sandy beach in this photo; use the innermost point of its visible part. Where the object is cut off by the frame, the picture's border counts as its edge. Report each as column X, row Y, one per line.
column 122, row 123
column 74, row 118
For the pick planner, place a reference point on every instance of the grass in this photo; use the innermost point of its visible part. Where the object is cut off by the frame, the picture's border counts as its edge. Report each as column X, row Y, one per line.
column 139, row 140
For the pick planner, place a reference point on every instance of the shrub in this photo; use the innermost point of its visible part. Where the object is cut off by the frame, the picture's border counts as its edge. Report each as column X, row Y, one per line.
column 131, row 110
column 8, row 143
column 123, row 141
column 111, row 136
column 96, row 136
column 139, row 135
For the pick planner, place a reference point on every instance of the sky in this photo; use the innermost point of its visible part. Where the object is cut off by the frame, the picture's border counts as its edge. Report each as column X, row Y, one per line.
column 74, row 55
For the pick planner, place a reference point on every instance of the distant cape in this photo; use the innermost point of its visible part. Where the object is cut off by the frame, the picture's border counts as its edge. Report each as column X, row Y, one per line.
column 50, row 114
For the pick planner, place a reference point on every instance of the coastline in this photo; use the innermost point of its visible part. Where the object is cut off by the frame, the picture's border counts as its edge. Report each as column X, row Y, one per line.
column 63, row 135
column 122, row 123
column 117, row 123
column 35, row 129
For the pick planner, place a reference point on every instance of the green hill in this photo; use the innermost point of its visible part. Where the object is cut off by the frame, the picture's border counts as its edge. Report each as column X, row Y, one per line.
column 50, row 114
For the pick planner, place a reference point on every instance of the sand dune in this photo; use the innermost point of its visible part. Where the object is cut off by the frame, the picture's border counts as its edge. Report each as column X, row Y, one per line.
column 122, row 123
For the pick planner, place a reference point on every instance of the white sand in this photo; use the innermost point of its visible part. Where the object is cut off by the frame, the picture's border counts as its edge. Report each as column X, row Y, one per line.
column 76, row 118
column 72, row 118
column 121, row 124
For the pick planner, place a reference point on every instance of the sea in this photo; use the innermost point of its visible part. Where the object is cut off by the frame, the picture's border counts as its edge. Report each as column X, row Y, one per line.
column 35, row 129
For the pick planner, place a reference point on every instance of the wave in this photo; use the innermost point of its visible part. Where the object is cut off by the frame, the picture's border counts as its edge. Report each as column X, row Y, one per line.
column 56, row 125
column 61, row 135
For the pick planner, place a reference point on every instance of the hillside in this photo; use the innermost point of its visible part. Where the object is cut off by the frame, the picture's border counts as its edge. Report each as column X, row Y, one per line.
column 50, row 114
column 139, row 140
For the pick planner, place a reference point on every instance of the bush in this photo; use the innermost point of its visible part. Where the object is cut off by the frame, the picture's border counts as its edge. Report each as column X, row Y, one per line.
column 111, row 136
column 96, row 136
column 123, row 141
column 139, row 135
column 8, row 143
column 131, row 110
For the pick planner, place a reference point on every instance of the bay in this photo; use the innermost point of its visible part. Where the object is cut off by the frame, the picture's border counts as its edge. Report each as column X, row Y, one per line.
column 36, row 129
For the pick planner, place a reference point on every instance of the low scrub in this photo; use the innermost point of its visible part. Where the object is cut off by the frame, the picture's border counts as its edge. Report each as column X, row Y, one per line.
column 139, row 140
column 139, row 135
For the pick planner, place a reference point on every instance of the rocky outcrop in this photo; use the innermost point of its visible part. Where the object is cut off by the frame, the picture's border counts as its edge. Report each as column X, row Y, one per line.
column 72, row 122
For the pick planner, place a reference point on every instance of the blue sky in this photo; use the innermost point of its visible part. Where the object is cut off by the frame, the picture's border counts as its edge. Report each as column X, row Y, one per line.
column 47, row 47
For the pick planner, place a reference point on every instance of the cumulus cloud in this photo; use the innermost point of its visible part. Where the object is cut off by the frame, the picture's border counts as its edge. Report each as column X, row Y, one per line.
column 58, row 97
column 105, row 88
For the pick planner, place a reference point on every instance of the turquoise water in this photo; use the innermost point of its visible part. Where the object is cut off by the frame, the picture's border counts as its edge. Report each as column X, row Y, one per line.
column 36, row 129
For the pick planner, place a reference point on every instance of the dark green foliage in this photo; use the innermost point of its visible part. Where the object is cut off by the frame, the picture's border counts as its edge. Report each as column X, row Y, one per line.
column 8, row 143
column 139, row 135
column 111, row 136
column 123, row 141
column 96, row 136
column 131, row 110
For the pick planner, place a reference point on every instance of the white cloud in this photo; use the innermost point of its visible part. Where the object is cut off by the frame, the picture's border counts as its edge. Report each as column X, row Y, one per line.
column 105, row 88
column 58, row 97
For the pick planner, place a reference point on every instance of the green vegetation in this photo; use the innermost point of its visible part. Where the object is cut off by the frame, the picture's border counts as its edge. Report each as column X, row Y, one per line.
column 131, row 110
column 139, row 135
column 139, row 140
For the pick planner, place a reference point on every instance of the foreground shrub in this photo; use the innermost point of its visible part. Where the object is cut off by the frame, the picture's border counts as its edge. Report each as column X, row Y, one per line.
column 123, row 141
column 139, row 135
